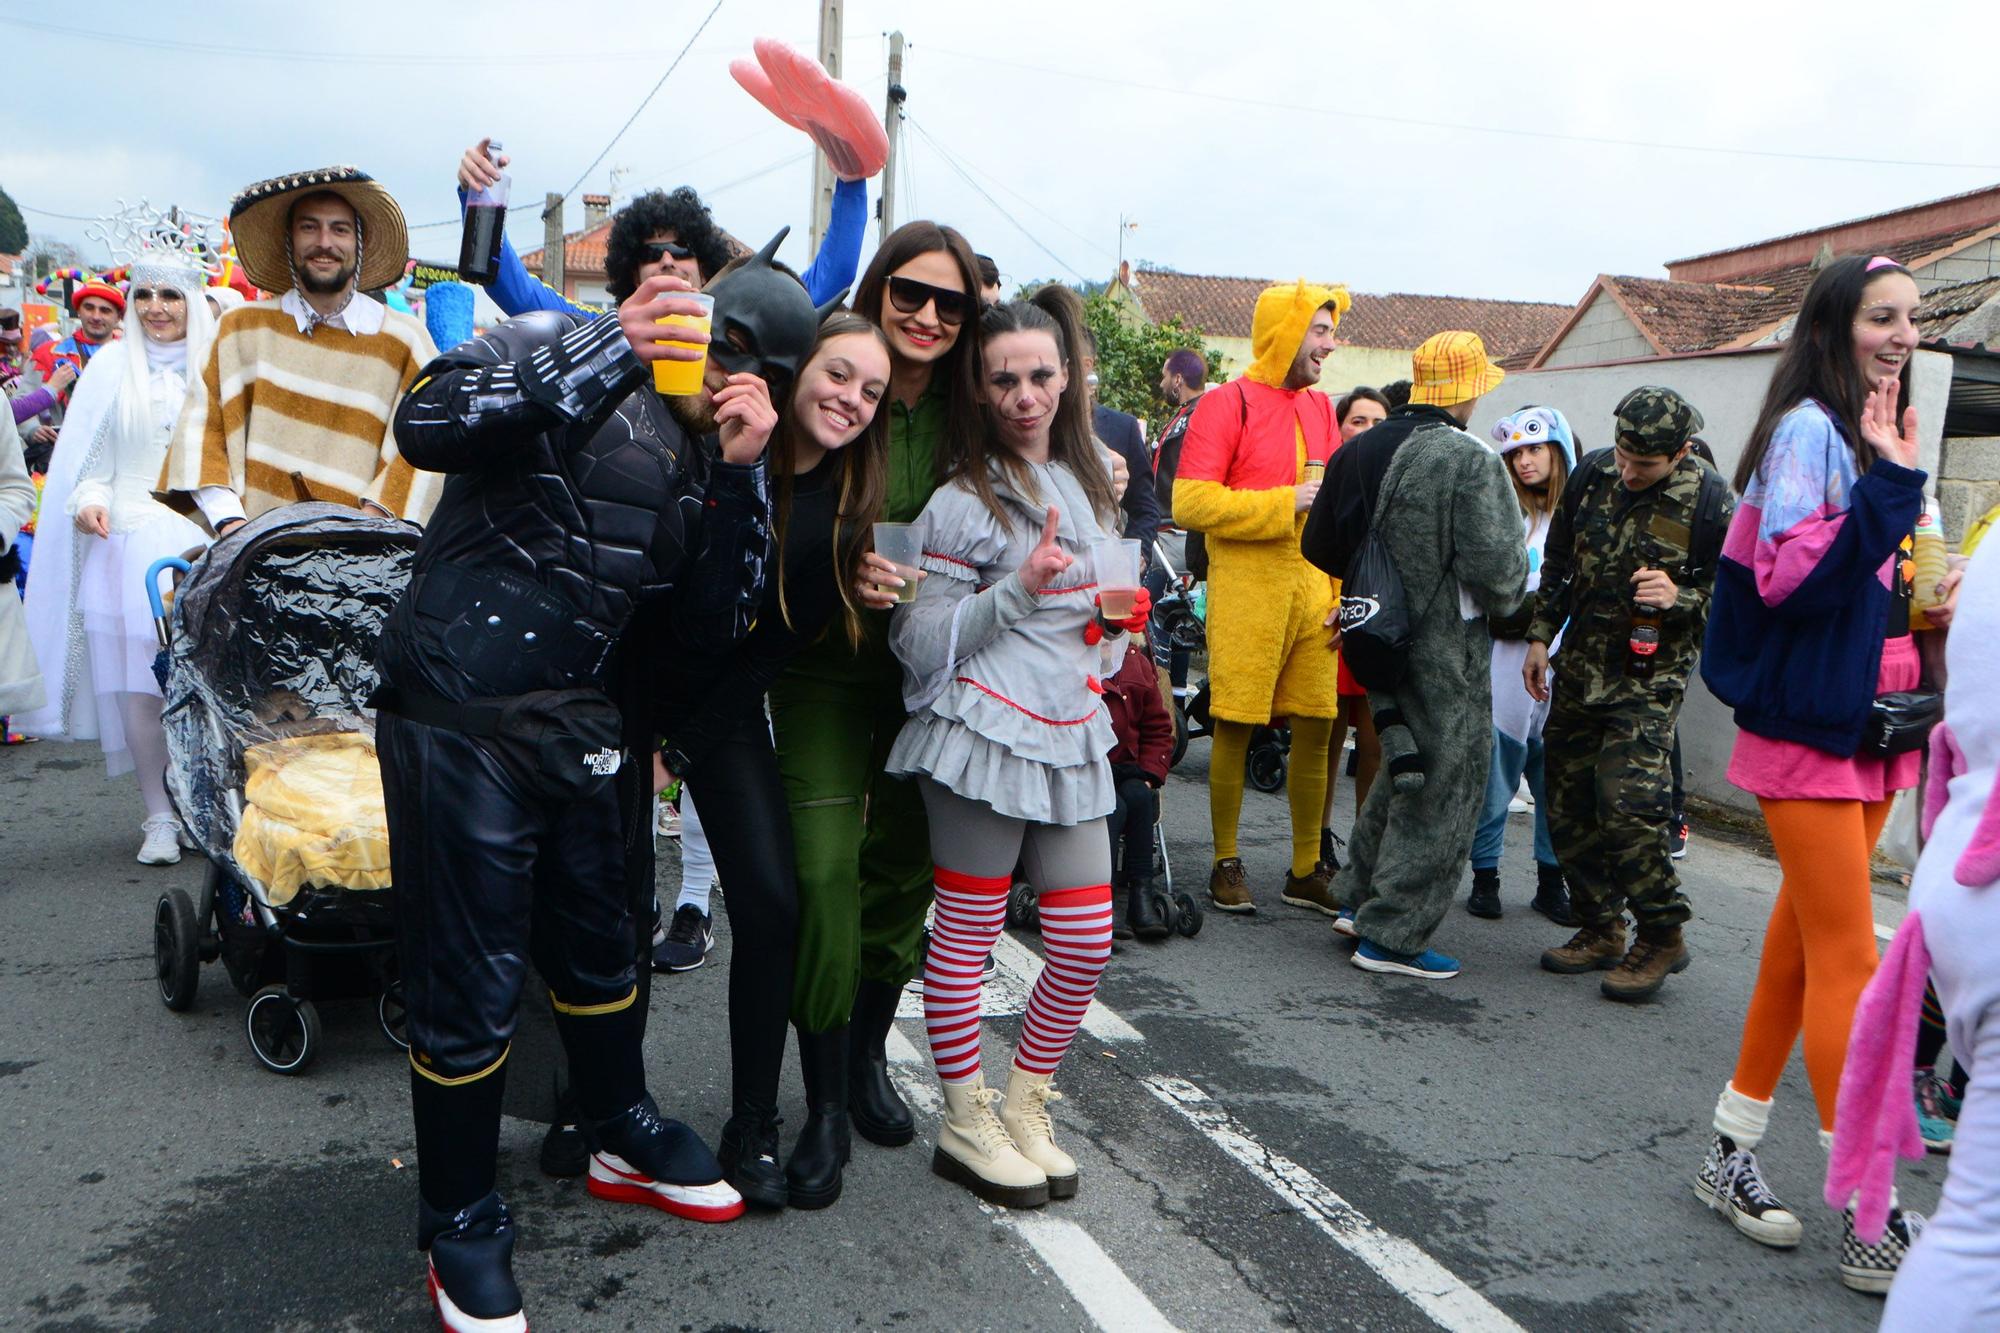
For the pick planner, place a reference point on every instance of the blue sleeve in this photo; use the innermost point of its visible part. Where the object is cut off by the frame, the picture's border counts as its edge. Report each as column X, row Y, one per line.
column 517, row 291
column 839, row 257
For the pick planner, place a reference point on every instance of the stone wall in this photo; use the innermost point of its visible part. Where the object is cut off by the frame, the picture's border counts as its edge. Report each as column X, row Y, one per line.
column 1968, row 483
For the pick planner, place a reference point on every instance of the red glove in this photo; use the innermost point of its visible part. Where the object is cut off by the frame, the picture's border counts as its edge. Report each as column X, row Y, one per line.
column 1142, row 611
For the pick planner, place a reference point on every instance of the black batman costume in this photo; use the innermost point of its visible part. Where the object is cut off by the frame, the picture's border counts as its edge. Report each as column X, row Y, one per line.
column 516, row 808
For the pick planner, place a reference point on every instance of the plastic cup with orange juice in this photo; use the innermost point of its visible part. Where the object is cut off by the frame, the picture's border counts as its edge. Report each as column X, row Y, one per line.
column 680, row 379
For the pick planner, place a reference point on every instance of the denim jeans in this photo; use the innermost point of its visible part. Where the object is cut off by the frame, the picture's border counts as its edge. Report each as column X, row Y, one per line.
column 1511, row 758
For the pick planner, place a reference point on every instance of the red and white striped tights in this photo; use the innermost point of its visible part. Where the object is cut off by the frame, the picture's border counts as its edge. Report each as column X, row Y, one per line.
column 1076, row 941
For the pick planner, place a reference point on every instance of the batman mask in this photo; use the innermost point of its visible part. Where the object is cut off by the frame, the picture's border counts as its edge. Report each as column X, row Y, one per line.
column 764, row 322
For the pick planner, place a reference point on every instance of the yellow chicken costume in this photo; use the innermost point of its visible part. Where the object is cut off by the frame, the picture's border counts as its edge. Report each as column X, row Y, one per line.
column 1247, row 449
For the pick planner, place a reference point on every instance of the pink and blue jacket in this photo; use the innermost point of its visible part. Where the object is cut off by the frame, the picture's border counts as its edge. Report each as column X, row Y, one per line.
column 1802, row 592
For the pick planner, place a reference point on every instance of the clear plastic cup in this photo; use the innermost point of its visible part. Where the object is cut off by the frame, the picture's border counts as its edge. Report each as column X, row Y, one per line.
column 1115, row 563
column 681, row 379
column 902, row 546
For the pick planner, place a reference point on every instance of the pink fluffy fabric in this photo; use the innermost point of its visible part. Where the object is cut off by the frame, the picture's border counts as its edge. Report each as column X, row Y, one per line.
column 1875, row 1118
column 1979, row 864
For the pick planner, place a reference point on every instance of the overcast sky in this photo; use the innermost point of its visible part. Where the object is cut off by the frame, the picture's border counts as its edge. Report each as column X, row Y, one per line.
column 1351, row 140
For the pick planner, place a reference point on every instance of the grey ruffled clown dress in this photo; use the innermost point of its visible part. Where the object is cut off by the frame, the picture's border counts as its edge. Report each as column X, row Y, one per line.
column 998, row 680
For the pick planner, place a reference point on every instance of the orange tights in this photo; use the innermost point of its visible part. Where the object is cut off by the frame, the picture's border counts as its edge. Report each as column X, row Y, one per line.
column 1819, row 950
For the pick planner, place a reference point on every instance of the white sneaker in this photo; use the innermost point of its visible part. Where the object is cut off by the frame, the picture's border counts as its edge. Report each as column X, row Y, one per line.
column 162, row 845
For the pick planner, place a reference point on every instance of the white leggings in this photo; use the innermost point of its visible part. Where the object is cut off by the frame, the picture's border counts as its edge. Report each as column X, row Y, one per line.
column 146, row 740
column 697, row 862
column 1950, row 1280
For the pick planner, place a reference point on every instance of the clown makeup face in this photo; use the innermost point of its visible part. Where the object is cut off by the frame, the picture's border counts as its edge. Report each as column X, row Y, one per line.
column 1023, row 378
column 1885, row 331
column 1362, row 414
column 923, row 334
column 325, row 238
column 839, row 392
column 1531, row 464
column 98, row 316
column 1313, row 350
column 163, row 313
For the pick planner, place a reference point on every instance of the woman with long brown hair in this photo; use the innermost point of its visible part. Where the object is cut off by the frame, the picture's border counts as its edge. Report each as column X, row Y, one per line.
column 825, row 464
column 859, row 835
column 1003, row 653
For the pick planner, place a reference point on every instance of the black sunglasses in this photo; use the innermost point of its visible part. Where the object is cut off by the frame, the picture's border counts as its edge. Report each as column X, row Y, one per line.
column 909, row 296
column 658, row 250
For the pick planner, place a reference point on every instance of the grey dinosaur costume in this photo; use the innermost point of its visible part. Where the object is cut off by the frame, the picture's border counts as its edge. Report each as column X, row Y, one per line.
column 1454, row 532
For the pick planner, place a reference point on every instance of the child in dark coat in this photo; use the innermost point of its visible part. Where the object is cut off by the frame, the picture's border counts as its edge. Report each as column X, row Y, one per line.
column 1139, row 763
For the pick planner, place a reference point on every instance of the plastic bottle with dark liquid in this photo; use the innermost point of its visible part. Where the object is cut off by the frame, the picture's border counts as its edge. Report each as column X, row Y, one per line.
column 485, row 222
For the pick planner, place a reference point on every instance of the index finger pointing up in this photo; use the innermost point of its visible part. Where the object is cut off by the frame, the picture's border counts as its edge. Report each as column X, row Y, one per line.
column 1049, row 527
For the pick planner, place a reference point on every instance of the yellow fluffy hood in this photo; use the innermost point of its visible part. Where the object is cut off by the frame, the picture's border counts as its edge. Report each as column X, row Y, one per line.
column 1279, row 326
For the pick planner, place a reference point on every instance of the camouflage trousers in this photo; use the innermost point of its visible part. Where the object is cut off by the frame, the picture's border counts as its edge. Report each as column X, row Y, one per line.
column 1610, row 793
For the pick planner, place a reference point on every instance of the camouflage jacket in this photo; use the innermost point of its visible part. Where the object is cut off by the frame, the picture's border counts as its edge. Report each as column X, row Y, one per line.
column 1603, row 534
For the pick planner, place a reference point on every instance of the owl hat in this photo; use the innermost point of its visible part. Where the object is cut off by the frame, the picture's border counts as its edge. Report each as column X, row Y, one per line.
column 1535, row 425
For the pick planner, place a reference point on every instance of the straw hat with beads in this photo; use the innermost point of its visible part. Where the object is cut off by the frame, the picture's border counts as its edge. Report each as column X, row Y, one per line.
column 260, row 224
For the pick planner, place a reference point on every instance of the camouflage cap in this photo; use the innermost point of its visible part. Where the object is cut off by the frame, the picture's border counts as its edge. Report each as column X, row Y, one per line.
column 1653, row 420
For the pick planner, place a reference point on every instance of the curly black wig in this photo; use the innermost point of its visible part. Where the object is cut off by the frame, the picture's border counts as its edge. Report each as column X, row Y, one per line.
column 682, row 213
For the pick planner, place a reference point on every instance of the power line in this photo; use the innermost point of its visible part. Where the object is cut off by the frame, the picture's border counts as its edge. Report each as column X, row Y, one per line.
column 1458, row 127
column 980, row 190
column 783, row 162
column 970, row 165
column 364, row 58
column 643, row 103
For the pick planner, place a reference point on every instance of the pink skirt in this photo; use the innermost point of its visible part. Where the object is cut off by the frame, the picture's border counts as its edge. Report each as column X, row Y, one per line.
column 1789, row 771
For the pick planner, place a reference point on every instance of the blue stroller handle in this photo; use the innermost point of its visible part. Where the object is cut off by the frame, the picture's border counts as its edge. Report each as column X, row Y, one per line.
column 153, row 581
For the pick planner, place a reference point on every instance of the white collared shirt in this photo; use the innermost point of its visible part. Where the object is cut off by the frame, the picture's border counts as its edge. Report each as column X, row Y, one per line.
column 361, row 315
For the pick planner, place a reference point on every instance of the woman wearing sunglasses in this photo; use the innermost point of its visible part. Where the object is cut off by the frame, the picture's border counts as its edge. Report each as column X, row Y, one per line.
column 860, row 836
column 88, row 615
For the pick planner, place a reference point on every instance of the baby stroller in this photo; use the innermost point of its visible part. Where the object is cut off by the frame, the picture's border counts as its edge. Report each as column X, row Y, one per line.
column 269, row 659
column 1179, row 622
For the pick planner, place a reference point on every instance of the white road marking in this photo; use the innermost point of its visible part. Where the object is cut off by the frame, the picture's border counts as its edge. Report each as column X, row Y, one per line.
column 1093, row 1277
column 1883, row 932
column 1420, row 1279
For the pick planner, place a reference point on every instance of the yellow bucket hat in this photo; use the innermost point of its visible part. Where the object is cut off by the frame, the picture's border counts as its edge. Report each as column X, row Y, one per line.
column 1450, row 368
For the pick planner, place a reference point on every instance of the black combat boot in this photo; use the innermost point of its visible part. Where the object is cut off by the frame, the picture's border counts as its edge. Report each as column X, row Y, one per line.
column 1485, row 899
column 812, row 1174
column 1146, row 911
column 748, row 1152
column 876, row 1109
column 1552, row 894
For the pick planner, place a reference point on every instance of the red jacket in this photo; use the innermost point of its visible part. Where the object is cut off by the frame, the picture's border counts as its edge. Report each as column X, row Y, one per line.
column 1139, row 717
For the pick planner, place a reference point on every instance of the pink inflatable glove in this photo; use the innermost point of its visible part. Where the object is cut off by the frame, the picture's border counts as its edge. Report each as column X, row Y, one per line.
column 797, row 90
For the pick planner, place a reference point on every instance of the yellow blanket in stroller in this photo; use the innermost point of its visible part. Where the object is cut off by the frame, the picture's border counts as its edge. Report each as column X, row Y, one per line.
column 313, row 814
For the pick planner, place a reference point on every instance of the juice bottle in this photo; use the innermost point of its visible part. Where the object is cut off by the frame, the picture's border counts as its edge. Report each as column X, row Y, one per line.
column 485, row 220
column 1931, row 567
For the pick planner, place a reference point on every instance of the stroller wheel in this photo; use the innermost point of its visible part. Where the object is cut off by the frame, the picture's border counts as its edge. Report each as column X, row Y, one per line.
column 1021, row 910
column 176, row 952
column 1187, row 915
column 1180, row 736
column 394, row 1016
column 1267, row 767
column 284, row 1032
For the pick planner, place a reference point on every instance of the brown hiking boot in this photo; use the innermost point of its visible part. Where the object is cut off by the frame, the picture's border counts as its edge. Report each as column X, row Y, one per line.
column 1229, row 887
column 1314, row 891
column 1590, row 948
column 1656, row 954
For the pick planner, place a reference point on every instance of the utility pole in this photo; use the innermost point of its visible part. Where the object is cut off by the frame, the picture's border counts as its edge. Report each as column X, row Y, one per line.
column 552, row 241
column 823, row 179
column 892, row 124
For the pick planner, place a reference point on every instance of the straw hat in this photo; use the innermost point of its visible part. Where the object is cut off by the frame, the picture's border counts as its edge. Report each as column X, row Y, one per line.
column 260, row 217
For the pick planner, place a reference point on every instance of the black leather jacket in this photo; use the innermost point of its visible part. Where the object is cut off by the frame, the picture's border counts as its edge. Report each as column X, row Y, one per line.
column 572, row 498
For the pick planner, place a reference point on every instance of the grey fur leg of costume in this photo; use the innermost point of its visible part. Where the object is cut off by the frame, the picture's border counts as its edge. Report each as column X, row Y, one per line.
column 1409, row 846
column 1402, row 760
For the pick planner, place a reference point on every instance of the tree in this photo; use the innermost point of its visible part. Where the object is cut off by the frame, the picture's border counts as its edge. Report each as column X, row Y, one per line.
column 1130, row 353
column 13, row 229
column 46, row 254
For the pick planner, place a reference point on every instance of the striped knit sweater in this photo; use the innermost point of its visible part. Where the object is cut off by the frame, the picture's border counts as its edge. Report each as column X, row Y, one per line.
column 279, row 417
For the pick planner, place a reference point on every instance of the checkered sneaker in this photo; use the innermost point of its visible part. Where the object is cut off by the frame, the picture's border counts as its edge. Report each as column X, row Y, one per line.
column 1871, row 1268
column 1731, row 1182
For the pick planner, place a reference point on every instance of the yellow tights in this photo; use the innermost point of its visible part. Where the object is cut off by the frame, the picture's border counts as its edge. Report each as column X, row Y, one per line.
column 1306, row 786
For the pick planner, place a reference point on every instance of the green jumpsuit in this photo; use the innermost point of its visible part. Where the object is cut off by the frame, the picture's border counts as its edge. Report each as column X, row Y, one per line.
column 862, row 841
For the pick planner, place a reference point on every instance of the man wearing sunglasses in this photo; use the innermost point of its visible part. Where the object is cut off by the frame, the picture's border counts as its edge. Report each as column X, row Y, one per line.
column 664, row 232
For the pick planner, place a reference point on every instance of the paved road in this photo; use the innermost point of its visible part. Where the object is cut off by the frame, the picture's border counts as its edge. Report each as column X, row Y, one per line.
column 1268, row 1137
